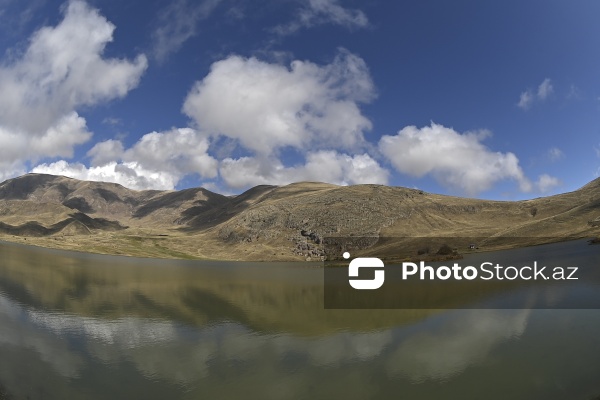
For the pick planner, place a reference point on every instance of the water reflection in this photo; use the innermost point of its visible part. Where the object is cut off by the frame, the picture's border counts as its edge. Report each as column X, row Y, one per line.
column 461, row 340
column 19, row 331
column 82, row 326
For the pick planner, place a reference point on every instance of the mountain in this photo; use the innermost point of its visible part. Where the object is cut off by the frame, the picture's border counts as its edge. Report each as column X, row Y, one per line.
column 269, row 222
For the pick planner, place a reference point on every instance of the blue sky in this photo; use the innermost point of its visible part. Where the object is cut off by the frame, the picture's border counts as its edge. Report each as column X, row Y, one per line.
column 497, row 100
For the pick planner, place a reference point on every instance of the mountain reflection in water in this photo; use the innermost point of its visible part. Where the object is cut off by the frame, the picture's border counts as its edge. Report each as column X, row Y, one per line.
column 94, row 327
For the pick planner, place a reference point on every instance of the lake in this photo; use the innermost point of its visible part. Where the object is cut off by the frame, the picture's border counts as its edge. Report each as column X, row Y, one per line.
column 83, row 326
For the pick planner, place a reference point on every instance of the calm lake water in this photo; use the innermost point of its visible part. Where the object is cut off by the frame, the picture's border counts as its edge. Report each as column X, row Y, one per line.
column 81, row 326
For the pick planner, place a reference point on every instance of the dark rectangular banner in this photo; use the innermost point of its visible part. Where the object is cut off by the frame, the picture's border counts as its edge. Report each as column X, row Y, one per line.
column 461, row 273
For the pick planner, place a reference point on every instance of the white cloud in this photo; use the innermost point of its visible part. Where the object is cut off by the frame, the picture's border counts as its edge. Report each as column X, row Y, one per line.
column 178, row 23
column 545, row 89
column 546, row 182
column 105, row 152
column 130, row 175
column 555, row 154
column 138, row 170
column 178, row 151
column 528, row 97
column 112, row 121
column 322, row 166
column 320, row 12
column 268, row 106
column 10, row 170
column 159, row 160
column 525, row 100
column 263, row 107
column 61, row 70
column 57, row 141
column 459, row 161
column 448, row 348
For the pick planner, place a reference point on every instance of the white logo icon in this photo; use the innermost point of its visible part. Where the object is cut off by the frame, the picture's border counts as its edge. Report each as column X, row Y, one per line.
column 366, row 262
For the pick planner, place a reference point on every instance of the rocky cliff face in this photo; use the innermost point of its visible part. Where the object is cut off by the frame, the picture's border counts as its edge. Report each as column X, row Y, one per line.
column 270, row 222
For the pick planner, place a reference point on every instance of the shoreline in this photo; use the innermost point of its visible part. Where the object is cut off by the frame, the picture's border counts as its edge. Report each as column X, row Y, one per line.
column 47, row 244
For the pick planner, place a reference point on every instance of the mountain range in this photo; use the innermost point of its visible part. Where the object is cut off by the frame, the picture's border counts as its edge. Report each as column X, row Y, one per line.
column 270, row 223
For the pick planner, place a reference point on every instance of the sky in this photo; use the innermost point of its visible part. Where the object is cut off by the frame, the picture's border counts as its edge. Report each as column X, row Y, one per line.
column 491, row 100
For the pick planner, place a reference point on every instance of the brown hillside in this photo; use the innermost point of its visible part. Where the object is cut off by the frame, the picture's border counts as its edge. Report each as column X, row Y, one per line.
column 268, row 222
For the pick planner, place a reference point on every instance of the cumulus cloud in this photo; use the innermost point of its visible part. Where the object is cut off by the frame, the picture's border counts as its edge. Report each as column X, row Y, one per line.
column 61, row 69
column 130, row 175
column 459, row 161
column 269, row 106
column 528, row 97
column 179, row 151
column 546, row 182
column 177, row 23
column 323, row 166
column 105, row 152
column 262, row 107
column 56, row 141
column 159, row 160
column 321, row 12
